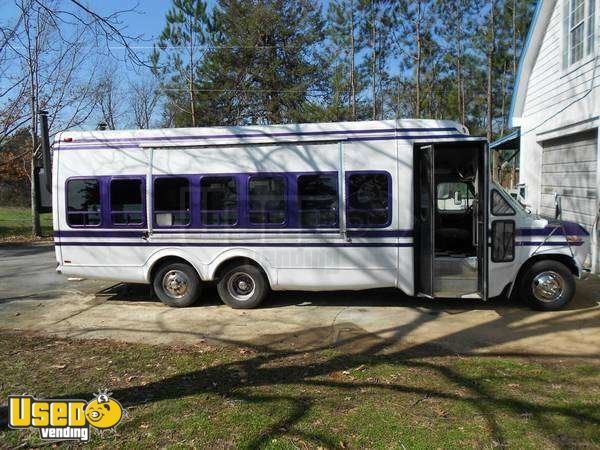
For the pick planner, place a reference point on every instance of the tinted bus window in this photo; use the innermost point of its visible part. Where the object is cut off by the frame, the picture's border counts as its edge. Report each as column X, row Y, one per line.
column 318, row 200
column 126, row 202
column 266, row 200
column 172, row 201
column 83, row 203
column 218, row 201
column 368, row 200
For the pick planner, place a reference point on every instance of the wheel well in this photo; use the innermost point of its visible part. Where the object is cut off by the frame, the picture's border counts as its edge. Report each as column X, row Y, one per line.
column 168, row 260
column 227, row 264
column 564, row 259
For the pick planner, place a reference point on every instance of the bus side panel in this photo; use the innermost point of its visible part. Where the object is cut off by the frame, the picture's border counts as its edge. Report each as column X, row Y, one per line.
column 404, row 205
column 85, row 250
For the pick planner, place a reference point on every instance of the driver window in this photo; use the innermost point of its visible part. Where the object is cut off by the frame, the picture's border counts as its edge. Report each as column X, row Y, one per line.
column 453, row 196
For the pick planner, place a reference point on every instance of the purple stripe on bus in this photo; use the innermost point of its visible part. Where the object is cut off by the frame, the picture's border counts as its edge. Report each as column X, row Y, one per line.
column 139, row 232
column 571, row 228
column 236, row 244
column 354, row 139
column 260, row 134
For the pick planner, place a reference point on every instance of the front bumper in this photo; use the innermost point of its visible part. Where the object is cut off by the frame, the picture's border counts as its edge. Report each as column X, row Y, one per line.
column 585, row 274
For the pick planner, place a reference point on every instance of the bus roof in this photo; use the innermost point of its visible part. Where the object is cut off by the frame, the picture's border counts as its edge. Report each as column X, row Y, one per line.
column 254, row 134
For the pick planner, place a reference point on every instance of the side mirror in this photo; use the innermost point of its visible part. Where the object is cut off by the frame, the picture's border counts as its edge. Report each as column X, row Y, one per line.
column 457, row 198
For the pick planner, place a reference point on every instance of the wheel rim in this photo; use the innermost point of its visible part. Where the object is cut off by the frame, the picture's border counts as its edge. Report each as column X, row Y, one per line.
column 241, row 286
column 548, row 286
column 176, row 283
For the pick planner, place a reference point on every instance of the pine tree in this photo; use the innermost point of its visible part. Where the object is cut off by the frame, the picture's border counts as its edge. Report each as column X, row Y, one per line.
column 264, row 61
column 343, row 25
column 179, row 56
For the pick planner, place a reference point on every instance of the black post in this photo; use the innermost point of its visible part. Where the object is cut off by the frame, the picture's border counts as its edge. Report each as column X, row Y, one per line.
column 45, row 141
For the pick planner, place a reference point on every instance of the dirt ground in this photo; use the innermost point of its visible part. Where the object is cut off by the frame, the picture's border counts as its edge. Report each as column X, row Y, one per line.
column 34, row 298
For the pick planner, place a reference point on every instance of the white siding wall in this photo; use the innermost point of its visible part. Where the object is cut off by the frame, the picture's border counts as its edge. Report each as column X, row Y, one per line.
column 552, row 107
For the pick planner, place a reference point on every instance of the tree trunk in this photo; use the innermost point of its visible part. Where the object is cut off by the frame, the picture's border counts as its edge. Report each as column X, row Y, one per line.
column 459, row 81
column 352, row 62
column 36, row 228
column 373, row 63
column 504, row 94
column 514, row 37
column 191, row 76
column 490, row 98
column 418, row 63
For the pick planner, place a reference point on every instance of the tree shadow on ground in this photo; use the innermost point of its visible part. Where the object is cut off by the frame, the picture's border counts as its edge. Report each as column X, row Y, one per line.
column 276, row 363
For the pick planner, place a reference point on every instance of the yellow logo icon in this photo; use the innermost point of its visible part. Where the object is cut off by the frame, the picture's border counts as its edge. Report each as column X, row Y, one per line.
column 65, row 419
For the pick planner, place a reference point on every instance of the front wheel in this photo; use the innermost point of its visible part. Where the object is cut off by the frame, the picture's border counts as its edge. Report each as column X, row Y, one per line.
column 243, row 287
column 177, row 284
column 547, row 285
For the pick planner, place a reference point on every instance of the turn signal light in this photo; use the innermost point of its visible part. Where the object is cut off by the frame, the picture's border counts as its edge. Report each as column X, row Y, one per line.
column 574, row 239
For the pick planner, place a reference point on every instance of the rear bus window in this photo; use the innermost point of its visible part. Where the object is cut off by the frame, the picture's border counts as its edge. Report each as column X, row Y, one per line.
column 318, row 200
column 218, row 201
column 266, row 200
column 126, row 207
column 83, row 203
column 368, row 199
column 172, row 201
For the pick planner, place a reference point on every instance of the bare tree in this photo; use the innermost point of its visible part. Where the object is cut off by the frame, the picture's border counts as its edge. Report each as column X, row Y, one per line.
column 51, row 64
column 144, row 98
column 110, row 97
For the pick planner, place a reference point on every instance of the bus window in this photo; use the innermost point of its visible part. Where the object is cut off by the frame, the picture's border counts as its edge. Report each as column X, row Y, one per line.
column 454, row 196
column 266, row 200
column 500, row 207
column 172, row 201
column 218, row 201
column 369, row 196
column 126, row 202
column 318, row 200
column 83, row 203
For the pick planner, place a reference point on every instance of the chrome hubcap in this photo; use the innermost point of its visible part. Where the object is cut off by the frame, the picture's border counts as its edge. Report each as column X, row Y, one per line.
column 175, row 283
column 548, row 286
column 240, row 286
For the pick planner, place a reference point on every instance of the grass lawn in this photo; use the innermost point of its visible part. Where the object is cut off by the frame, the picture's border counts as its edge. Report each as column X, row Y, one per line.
column 211, row 396
column 15, row 223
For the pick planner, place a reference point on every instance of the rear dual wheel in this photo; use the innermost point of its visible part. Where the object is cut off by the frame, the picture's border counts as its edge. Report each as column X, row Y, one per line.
column 177, row 284
column 243, row 286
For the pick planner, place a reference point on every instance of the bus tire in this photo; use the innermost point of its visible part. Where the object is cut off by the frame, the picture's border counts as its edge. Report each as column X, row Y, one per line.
column 243, row 287
column 177, row 284
column 547, row 285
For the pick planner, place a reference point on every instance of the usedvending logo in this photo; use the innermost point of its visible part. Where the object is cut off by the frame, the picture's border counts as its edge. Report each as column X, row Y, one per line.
column 65, row 419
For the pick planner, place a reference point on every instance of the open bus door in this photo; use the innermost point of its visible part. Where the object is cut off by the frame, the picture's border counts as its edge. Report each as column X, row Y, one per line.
column 436, row 277
column 424, row 201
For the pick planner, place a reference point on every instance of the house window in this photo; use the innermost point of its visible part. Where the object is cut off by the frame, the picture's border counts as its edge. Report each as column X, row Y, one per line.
column 591, row 26
column 368, row 199
column 318, row 200
column 83, row 203
column 126, row 202
column 218, row 201
column 266, row 200
column 579, row 24
column 172, row 201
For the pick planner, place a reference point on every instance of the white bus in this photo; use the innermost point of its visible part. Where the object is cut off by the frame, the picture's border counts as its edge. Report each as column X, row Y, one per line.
column 329, row 206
